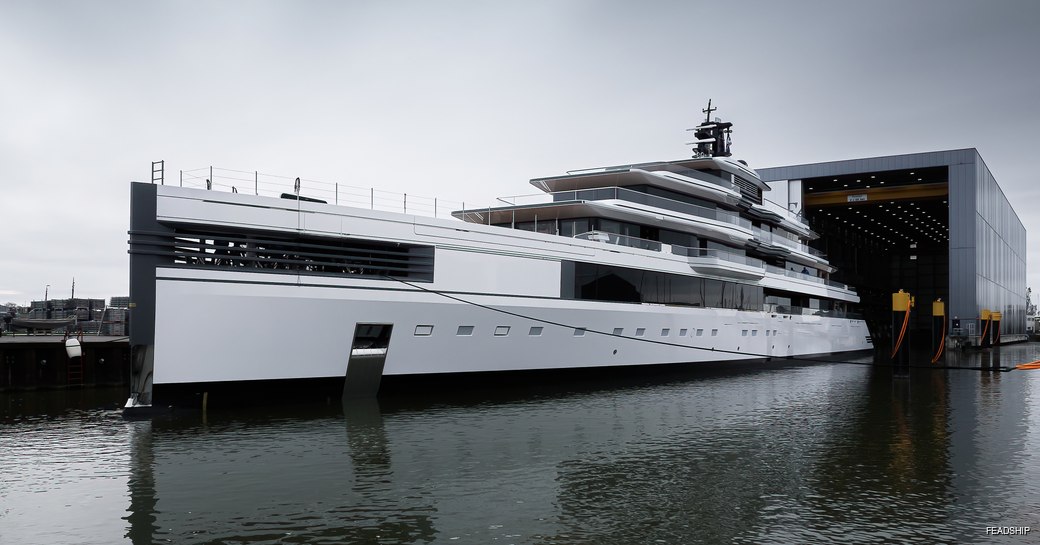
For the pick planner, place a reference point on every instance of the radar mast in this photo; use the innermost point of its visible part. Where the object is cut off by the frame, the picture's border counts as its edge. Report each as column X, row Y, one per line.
column 713, row 137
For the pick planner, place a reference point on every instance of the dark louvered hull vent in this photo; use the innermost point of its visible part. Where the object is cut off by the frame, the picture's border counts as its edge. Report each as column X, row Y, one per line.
column 748, row 190
column 271, row 252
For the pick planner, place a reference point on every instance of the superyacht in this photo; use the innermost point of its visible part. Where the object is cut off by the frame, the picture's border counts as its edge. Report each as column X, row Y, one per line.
column 670, row 262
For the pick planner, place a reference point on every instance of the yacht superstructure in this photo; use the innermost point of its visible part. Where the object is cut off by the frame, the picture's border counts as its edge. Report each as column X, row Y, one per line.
column 654, row 263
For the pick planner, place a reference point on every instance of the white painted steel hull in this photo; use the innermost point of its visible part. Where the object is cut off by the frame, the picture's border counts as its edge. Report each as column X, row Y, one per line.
column 239, row 338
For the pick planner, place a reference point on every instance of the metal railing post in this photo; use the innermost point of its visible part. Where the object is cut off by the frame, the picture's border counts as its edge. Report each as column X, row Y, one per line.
column 337, row 193
column 372, row 197
column 405, row 203
column 256, row 182
column 435, row 207
column 182, row 178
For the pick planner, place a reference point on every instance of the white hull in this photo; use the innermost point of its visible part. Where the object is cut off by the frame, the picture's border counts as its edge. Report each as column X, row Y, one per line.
column 239, row 338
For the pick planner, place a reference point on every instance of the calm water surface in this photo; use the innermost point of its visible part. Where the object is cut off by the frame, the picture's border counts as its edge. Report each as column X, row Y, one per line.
column 806, row 454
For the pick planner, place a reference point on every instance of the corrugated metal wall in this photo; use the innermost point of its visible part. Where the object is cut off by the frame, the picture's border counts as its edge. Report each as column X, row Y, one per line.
column 987, row 239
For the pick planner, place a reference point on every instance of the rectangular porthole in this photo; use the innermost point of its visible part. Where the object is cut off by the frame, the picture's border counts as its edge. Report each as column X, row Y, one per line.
column 536, row 331
column 774, row 333
column 665, row 332
column 767, row 333
column 423, row 330
column 465, row 330
column 502, row 331
column 619, row 330
column 743, row 333
column 682, row 332
column 714, row 332
column 700, row 332
column 579, row 332
column 754, row 332
column 640, row 331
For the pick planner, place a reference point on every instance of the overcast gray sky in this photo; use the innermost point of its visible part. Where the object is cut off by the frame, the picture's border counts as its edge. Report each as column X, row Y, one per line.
column 469, row 100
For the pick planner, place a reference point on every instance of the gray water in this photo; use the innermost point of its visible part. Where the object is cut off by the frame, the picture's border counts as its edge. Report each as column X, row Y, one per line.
column 823, row 453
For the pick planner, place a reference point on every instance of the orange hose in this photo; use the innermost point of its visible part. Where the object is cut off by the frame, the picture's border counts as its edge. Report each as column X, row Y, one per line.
column 942, row 343
column 902, row 333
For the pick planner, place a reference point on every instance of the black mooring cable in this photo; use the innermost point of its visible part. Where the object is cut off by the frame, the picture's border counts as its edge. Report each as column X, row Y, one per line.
column 694, row 347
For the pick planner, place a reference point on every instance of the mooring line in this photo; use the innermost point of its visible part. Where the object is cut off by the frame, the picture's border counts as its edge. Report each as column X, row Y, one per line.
column 694, row 347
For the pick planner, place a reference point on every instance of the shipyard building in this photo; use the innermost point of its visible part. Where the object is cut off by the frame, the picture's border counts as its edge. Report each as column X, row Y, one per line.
column 934, row 224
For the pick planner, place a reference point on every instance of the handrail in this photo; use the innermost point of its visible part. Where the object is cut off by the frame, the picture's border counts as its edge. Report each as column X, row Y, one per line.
column 620, row 240
column 807, row 276
column 798, row 217
column 783, row 239
column 732, row 257
column 272, row 185
column 806, row 311
column 653, row 245
column 794, row 274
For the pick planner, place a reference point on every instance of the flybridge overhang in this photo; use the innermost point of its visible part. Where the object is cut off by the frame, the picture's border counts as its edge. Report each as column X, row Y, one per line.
column 679, row 180
column 697, row 168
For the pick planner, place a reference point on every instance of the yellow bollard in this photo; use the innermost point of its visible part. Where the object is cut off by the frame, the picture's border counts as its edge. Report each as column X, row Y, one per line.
column 902, row 302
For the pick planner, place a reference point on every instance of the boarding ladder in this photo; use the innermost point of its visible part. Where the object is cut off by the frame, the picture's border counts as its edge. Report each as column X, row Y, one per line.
column 75, row 372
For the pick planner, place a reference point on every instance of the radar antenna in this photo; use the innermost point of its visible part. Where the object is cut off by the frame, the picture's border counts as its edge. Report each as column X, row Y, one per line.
column 707, row 112
column 713, row 137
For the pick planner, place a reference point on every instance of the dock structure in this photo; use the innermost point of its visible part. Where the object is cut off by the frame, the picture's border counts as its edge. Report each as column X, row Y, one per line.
column 934, row 224
column 40, row 361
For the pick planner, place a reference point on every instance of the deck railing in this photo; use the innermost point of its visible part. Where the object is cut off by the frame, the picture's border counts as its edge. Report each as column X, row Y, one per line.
column 732, row 257
column 272, row 185
column 809, row 277
column 620, row 240
column 783, row 239
column 797, row 217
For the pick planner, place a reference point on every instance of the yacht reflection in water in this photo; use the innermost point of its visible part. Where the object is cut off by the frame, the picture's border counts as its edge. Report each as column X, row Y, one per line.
column 260, row 479
column 802, row 454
